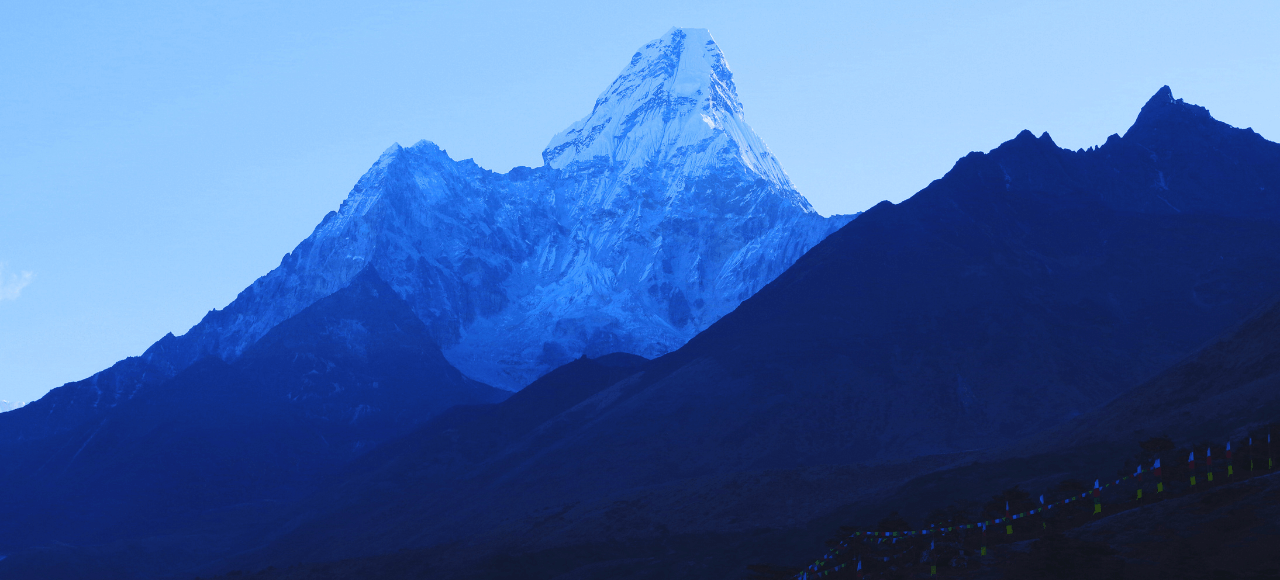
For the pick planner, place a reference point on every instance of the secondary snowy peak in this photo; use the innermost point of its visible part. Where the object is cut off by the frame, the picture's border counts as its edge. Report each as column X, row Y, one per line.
column 7, row 406
column 675, row 104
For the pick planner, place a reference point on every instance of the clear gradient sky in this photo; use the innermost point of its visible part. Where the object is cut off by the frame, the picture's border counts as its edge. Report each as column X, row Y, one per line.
column 155, row 158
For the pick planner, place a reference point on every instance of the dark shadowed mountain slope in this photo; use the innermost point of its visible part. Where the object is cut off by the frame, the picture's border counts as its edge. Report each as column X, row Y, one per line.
column 1029, row 285
column 1227, row 388
column 1226, row 391
column 468, row 435
column 445, row 454
column 222, row 441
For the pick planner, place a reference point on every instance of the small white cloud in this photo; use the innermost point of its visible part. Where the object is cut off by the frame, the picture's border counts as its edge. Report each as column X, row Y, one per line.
column 11, row 285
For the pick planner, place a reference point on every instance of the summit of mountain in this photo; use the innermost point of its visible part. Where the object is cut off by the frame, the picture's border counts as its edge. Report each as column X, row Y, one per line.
column 674, row 106
column 652, row 217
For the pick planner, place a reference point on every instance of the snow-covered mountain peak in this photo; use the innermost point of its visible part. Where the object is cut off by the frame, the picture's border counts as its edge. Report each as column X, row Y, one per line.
column 674, row 106
column 652, row 217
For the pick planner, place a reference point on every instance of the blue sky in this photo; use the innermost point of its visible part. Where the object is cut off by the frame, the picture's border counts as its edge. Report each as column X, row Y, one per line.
column 157, row 157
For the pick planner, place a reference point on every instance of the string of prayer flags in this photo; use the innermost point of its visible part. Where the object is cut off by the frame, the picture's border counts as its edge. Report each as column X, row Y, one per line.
column 931, row 557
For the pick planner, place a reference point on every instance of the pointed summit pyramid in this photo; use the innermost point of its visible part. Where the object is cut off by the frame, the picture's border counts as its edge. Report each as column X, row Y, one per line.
column 674, row 104
column 1163, row 112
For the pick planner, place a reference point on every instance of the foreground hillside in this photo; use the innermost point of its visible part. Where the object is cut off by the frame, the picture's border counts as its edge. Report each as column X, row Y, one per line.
column 1029, row 285
column 1218, row 407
